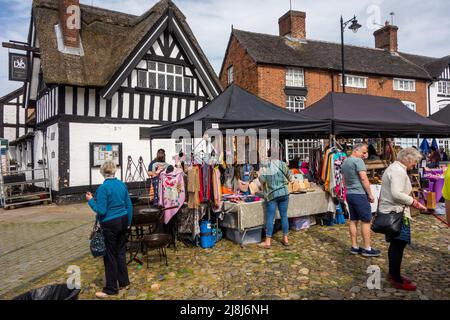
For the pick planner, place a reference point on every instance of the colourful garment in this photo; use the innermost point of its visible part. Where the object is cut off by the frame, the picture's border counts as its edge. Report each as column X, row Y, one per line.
column 193, row 187
column 446, row 189
column 217, row 188
column 171, row 192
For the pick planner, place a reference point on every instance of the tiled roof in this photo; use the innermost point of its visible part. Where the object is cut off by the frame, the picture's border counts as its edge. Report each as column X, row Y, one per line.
column 276, row 50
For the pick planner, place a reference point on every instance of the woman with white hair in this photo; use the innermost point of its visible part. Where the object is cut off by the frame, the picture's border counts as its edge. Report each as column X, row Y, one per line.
column 114, row 211
column 395, row 198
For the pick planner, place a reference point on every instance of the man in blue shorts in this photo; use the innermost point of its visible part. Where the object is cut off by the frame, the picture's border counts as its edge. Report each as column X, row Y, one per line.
column 359, row 197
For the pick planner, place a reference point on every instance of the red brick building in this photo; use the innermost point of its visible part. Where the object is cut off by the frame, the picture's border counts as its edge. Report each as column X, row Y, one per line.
column 295, row 72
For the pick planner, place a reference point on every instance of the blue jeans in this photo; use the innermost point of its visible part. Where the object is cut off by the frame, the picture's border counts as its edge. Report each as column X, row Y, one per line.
column 271, row 206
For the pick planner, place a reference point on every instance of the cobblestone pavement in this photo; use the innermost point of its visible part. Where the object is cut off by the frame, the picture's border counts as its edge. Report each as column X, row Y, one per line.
column 317, row 265
column 36, row 240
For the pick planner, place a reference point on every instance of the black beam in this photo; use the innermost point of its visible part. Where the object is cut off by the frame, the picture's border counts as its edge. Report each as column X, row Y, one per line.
column 19, row 47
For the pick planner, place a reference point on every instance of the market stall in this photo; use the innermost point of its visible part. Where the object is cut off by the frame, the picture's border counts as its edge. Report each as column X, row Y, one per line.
column 356, row 115
column 243, row 215
column 237, row 108
column 215, row 188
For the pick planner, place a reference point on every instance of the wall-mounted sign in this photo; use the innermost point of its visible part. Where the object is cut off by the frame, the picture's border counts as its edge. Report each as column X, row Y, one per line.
column 100, row 152
column 18, row 67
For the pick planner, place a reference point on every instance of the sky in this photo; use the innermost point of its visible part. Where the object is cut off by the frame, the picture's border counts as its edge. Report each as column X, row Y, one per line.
column 424, row 27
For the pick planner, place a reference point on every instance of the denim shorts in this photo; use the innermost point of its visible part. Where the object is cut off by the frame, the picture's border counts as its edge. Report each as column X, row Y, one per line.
column 359, row 208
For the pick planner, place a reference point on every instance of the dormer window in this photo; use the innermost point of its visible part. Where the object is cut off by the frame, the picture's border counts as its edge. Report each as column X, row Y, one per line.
column 164, row 76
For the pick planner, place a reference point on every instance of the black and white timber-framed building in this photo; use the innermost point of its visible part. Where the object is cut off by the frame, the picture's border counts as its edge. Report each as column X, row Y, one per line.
column 117, row 74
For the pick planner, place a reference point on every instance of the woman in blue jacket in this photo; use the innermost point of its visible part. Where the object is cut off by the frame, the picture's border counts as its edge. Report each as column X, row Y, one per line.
column 113, row 209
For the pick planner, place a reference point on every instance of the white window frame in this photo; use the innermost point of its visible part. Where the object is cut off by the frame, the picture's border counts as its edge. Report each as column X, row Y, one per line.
column 184, row 145
column 295, row 77
column 352, row 81
column 411, row 105
column 444, row 87
column 408, row 85
column 295, row 103
column 230, row 74
column 165, row 73
column 300, row 148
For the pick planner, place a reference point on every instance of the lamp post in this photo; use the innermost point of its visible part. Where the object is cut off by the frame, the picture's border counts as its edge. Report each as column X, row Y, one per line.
column 355, row 26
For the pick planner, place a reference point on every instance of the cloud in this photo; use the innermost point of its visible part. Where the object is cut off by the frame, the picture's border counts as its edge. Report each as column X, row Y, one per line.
column 424, row 27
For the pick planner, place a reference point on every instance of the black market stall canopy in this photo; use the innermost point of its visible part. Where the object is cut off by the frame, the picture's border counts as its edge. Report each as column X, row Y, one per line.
column 356, row 115
column 442, row 116
column 236, row 108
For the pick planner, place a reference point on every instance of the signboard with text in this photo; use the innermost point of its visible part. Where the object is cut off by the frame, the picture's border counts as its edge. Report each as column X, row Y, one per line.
column 18, row 67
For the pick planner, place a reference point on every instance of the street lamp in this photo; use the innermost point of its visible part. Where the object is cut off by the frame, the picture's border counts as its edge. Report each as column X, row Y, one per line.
column 355, row 26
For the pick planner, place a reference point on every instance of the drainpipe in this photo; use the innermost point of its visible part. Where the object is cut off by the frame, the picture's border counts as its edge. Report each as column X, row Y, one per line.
column 429, row 98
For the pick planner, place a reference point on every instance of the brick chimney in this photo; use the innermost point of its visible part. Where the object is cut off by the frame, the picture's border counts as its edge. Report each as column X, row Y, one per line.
column 386, row 38
column 70, row 22
column 293, row 24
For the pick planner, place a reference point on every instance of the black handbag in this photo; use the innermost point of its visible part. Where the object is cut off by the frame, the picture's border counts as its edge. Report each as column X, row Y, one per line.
column 97, row 241
column 388, row 223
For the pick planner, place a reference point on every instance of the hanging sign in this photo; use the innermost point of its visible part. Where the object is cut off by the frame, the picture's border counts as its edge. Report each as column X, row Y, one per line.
column 18, row 67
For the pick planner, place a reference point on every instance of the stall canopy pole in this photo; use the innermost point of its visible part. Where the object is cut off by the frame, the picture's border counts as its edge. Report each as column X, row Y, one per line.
column 418, row 141
column 151, row 151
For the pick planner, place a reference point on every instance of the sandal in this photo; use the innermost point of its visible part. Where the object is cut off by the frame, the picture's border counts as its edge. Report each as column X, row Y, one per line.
column 286, row 244
column 264, row 246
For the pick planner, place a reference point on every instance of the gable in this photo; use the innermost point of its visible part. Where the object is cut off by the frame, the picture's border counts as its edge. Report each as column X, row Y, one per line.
column 109, row 38
column 166, row 42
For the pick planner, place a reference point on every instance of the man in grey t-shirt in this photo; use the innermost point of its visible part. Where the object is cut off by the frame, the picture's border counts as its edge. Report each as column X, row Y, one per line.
column 359, row 197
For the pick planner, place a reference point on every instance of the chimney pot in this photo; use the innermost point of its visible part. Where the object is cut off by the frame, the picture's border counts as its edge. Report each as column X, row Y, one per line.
column 70, row 22
column 386, row 38
column 293, row 24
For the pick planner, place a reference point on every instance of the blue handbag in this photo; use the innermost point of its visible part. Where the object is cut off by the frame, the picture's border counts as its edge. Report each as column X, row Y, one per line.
column 97, row 241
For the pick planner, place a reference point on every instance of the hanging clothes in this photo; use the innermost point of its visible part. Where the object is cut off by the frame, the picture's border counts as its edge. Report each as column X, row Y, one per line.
column 171, row 192
column 217, row 189
column 193, row 188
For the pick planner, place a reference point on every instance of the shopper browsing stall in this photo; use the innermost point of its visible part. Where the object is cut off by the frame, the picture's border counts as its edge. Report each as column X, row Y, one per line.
column 274, row 179
column 359, row 197
column 114, row 210
column 396, row 197
column 154, row 169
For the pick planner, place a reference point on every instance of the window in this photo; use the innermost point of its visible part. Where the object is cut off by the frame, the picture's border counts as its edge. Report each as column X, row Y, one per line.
column 410, row 105
column 300, row 148
column 404, row 85
column 355, row 81
column 407, row 143
column 230, row 75
column 295, row 78
column 444, row 87
column 164, row 76
column 185, row 146
column 445, row 144
column 142, row 78
column 295, row 103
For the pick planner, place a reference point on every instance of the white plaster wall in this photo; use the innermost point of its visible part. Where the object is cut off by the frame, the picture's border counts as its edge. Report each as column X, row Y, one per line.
column 53, row 155
column 81, row 134
column 39, row 154
column 437, row 103
column 38, row 146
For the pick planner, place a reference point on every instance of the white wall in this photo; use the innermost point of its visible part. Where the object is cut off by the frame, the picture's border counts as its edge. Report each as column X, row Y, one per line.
column 53, row 155
column 81, row 134
column 437, row 103
column 39, row 154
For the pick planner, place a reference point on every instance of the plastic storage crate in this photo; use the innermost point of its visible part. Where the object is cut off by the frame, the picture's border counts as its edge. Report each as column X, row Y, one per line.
column 248, row 236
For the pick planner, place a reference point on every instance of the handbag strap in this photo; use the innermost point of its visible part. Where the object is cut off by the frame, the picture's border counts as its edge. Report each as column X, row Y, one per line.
column 379, row 200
